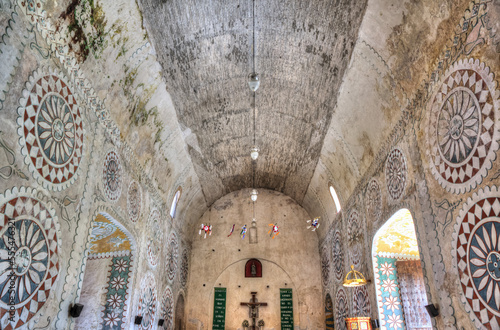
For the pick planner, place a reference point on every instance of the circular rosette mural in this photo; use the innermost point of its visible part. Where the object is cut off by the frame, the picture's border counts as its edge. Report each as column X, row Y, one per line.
column 325, row 265
column 134, row 201
column 112, row 176
column 463, row 129
column 184, row 268
column 477, row 256
column 154, row 238
column 396, row 173
column 51, row 130
column 148, row 302
column 353, row 226
column 337, row 256
column 167, row 309
column 29, row 255
column 172, row 256
column 361, row 302
column 341, row 309
column 373, row 200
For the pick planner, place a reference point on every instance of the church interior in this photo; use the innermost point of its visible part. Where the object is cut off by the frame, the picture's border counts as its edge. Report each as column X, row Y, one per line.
column 249, row 164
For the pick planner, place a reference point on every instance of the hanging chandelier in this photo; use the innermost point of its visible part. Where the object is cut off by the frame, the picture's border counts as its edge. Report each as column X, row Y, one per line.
column 354, row 279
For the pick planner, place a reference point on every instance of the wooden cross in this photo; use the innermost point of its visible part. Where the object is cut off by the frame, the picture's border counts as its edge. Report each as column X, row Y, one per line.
column 253, row 307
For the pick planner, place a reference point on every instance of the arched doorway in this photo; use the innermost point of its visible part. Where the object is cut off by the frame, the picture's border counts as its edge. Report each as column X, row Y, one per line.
column 399, row 279
column 179, row 313
column 107, row 276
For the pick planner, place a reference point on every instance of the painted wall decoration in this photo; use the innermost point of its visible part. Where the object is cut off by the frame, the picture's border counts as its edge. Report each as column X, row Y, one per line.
column 167, row 308
column 172, row 256
column 396, row 174
column 148, row 302
column 35, row 241
column 355, row 238
column 184, row 269
column 329, row 320
column 463, row 129
column 106, row 237
column 325, row 265
column 51, row 130
column 341, row 309
column 397, row 237
column 361, row 302
column 338, row 256
column 388, row 294
column 115, row 308
column 134, row 201
column 476, row 244
column 154, row 237
column 112, row 176
column 373, row 201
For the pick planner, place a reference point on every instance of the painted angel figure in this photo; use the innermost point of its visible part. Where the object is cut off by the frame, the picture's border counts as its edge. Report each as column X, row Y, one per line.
column 207, row 229
column 275, row 230
column 314, row 223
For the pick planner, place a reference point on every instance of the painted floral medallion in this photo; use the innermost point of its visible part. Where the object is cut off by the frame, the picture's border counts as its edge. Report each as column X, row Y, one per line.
column 30, row 243
column 51, row 131
column 477, row 257
column 463, row 129
column 112, row 176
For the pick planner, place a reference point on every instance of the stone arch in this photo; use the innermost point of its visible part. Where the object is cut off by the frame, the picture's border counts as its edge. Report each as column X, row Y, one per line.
column 112, row 247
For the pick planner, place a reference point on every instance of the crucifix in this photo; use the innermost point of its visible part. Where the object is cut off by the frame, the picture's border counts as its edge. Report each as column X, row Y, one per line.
column 253, row 309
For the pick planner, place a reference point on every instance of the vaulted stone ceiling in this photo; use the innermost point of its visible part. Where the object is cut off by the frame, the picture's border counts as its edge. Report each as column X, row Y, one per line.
column 302, row 51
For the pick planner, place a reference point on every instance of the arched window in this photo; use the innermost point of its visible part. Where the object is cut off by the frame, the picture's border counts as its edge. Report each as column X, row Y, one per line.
column 173, row 208
column 335, row 198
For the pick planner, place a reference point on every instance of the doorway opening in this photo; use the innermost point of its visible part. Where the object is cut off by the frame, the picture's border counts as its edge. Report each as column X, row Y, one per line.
column 399, row 280
column 107, row 276
column 329, row 321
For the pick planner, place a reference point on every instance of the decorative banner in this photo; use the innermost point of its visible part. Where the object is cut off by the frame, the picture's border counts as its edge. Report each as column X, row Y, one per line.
column 219, row 309
column 286, row 309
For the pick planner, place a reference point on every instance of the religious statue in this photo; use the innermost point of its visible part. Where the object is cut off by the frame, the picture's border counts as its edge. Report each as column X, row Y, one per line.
column 253, row 270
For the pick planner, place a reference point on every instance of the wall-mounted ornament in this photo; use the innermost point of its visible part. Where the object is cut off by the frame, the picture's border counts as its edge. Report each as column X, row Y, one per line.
column 314, row 223
column 207, row 229
column 243, row 231
column 274, row 231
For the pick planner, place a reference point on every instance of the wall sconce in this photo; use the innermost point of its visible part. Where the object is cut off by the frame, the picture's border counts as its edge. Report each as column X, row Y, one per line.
column 75, row 310
column 432, row 310
column 138, row 320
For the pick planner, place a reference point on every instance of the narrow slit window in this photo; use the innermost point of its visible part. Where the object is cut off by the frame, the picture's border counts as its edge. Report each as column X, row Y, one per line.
column 173, row 208
column 335, row 198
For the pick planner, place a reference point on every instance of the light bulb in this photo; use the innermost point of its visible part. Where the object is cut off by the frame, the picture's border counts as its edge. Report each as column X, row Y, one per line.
column 254, row 153
column 253, row 81
column 253, row 195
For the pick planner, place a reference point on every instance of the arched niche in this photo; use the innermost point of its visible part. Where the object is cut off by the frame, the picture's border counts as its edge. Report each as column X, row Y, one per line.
column 253, row 268
column 179, row 313
column 398, row 276
column 108, row 274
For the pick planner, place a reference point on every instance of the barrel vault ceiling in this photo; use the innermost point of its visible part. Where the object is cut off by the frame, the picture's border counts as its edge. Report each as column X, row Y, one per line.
column 302, row 50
